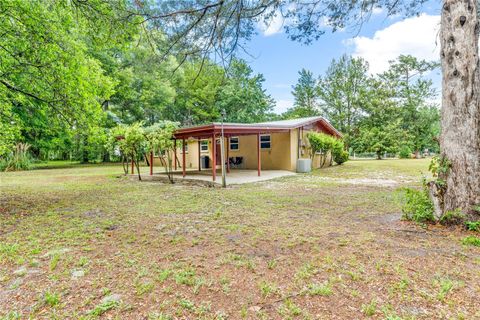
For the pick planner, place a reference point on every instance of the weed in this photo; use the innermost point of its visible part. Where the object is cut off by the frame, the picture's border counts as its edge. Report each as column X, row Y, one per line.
column 225, row 282
column 268, row 289
column 186, row 277
column 144, row 287
column 164, row 274
column 271, row 264
column 54, row 260
column 51, row 299
column 389, row 312
column 471, row 241
column 82, row 262
column 305, row 272
column 203, row 309
column 12, row 315
column 319, row 289
column 186, row 304
column 104, row 307
column 290, row 309
column 199, row 282
column 402, row 285
column 159, row 316
column 8, row 251
column 369, row 309
column 446, row 285
column 355, row 276
column 239, row 261
column 473, row 225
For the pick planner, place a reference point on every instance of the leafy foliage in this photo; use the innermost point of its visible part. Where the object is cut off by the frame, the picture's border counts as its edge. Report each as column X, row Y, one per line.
column 160, row 140
column 405, row 152
column 242, row 95
column 305, row 92
column 342, row 91
column 341, row 157
column 418, row 207
column 326, row 145
column 471, row 241
column 472, row 225
column 19, row 159
column 130, row 143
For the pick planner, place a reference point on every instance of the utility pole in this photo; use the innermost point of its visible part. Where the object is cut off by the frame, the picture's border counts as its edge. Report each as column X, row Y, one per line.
column 222, row 152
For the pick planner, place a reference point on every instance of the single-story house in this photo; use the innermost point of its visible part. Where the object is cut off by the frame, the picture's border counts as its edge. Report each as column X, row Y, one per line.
column 274, row 145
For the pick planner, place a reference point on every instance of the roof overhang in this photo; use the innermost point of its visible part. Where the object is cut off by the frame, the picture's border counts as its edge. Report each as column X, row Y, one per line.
column 207, row 131
column 230, row 129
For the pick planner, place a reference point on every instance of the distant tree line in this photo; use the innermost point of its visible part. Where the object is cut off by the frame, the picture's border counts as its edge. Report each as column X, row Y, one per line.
column 390, row 112
column 70, row 72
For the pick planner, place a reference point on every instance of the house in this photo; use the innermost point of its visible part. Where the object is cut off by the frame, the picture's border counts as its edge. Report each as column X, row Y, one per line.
column 274, row 145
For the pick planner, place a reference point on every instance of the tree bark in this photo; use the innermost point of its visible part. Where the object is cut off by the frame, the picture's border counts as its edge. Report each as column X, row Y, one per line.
column 460, row 116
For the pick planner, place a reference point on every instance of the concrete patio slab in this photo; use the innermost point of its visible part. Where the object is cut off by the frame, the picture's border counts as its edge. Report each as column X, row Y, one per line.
column 236, row 176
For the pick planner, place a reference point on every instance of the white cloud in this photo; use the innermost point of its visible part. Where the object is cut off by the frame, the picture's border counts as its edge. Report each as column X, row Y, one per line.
column 282, row 105
column 377, row 10
column 415, row 36
column 274, row 26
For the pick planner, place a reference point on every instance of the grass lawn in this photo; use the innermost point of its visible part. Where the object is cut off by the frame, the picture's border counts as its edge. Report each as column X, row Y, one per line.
column 80, row 242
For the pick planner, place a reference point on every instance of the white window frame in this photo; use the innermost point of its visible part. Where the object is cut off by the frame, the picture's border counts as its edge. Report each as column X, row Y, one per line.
column 237, row 143
column 203, row 143
column 269, row 141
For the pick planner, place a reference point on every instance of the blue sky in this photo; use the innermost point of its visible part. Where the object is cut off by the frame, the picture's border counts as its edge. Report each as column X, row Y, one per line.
column 381, row 39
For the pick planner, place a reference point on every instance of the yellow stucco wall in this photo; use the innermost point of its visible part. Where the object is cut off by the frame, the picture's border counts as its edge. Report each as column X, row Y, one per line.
column 282, row 155
column 278, row 157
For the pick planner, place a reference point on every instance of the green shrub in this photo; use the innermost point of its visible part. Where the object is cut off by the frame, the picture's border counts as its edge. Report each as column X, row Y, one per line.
column 473, row 225
column 326, row 144
column 341, row 157
column 471, row 241
column 405, row 153
column 418, row 207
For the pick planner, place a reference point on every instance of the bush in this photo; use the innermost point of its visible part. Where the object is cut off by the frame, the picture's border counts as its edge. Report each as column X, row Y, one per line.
column 341, row 157
column 18, row 160
column 326, row 144
column 405, row 153
column 418, row 207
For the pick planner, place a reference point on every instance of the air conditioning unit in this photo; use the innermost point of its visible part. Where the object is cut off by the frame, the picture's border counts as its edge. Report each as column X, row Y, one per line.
column 304, row 165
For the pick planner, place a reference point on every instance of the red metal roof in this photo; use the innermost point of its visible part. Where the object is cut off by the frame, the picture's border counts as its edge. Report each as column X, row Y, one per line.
column 206, row 131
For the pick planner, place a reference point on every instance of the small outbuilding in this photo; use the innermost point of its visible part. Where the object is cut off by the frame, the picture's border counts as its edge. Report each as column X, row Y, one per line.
column 273, row 145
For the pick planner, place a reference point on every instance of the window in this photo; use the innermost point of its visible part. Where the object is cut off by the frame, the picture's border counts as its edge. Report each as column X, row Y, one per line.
column 234, row 143
column 204, row 145
column 265, row 142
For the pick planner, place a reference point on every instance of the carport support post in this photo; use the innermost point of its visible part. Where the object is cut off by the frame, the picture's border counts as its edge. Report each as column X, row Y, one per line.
column 199, row 156
column 175, row 154
column 183, row 157
column 228, row 156
column 214, row 157
column 151, row 163
column 259, row 162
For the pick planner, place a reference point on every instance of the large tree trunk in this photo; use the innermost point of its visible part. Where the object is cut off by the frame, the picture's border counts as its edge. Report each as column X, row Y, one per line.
column 460, row 136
